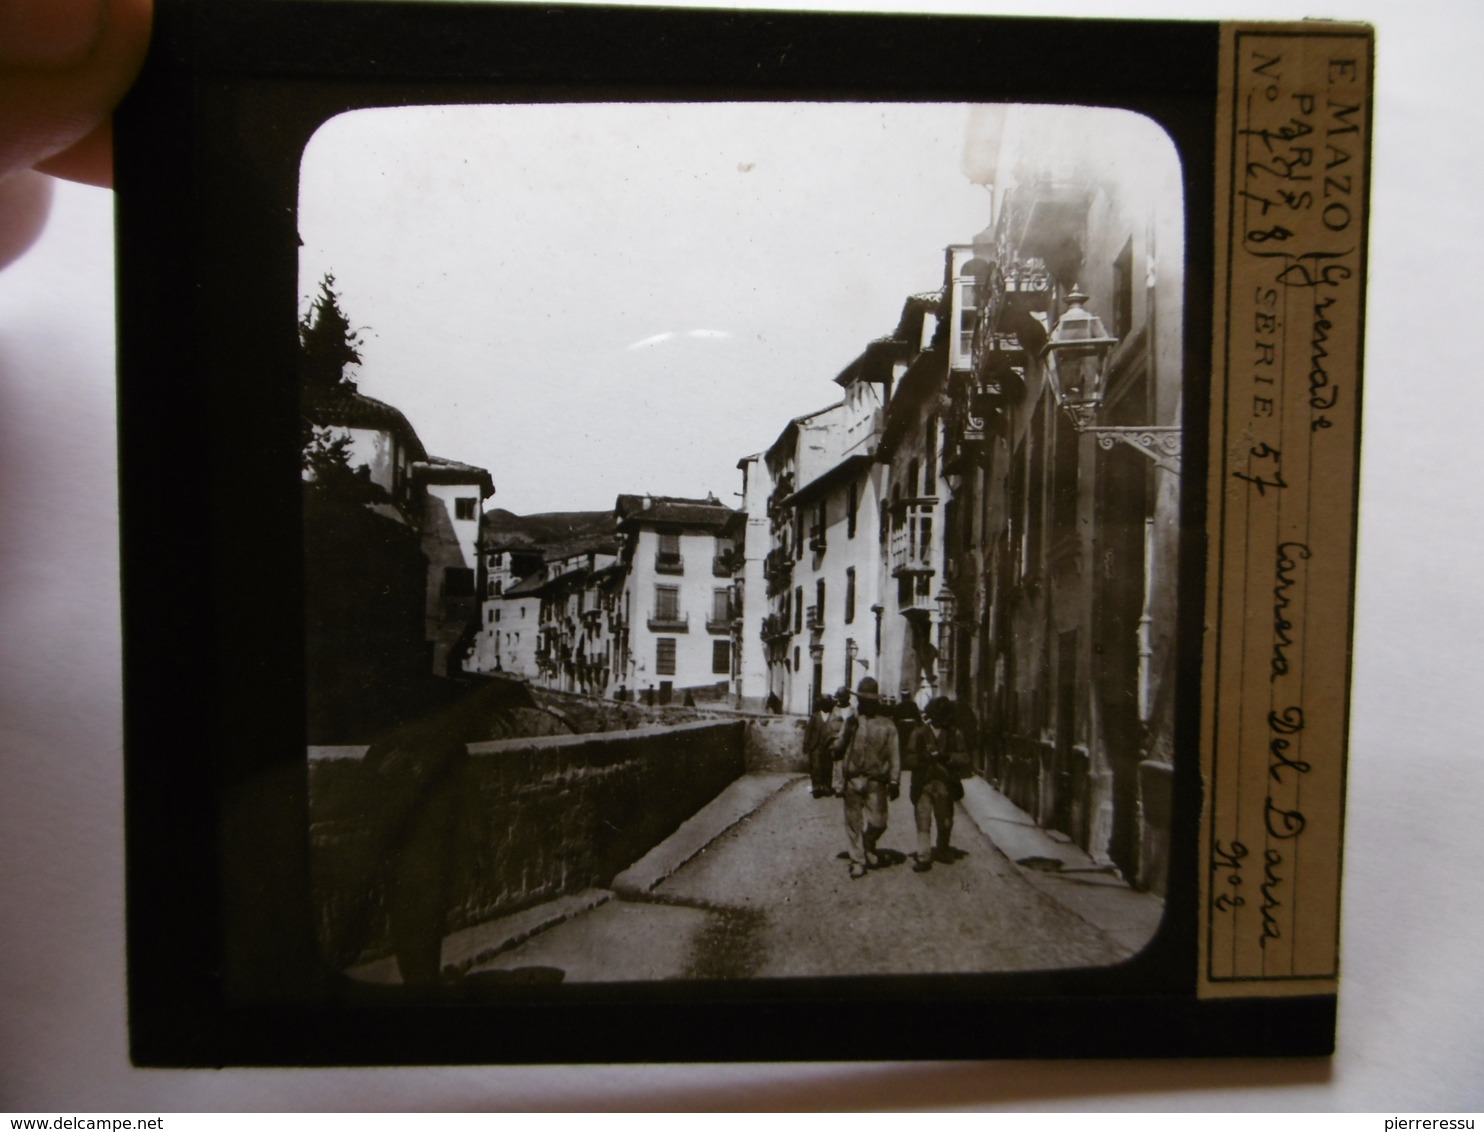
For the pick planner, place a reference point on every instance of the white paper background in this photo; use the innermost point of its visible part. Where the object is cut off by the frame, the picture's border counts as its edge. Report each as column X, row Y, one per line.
column 1412, row 1004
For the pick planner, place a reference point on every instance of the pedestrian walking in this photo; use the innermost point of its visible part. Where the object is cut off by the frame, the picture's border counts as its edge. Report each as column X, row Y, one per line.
column 872, row 771
column 938, row 759
column 819, row 747
column 841, row 728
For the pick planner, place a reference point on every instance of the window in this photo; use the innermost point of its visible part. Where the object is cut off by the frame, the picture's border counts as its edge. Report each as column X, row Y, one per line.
column 721, row 605
column 466, row 507
column 850, row 595
column 721, row 658
column 796, row 658
column 852, row 500
column 664, row 656
column 819, row 602
column 798, row 614
column 966, row 294
column 912, row 470
column 667, row 560
column 458, row 581
column 490, row 619
column 666, row 603
column 930, row 457
column 497, row 614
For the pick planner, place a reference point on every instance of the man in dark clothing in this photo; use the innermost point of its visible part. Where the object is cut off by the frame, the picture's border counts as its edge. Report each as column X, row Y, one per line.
column 818, row 747
column 872, row 771
column 938, row 759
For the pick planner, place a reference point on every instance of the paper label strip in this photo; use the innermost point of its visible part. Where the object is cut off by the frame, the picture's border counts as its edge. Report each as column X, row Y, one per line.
column 1293, row 140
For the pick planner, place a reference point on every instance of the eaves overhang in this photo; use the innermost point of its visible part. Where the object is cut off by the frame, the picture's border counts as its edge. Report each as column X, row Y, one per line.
column 845, row 470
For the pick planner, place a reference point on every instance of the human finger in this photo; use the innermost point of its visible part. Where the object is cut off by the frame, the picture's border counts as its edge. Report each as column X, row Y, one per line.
column 89, row 160
column 64, row 65
column 25, row 200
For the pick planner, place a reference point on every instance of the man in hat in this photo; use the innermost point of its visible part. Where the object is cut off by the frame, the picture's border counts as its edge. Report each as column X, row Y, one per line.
column 819, row 747
column 872, row 770
column 939, row 761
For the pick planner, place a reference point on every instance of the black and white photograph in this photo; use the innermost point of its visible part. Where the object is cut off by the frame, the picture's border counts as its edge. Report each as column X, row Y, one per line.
column 741, row 540
column 602, row 557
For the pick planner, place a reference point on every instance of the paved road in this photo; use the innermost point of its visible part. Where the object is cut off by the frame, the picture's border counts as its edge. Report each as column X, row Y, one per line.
column 770, row 897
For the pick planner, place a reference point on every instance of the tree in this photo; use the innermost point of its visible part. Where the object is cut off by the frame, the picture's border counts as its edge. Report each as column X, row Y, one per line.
column 327, row 344
column 328, row 476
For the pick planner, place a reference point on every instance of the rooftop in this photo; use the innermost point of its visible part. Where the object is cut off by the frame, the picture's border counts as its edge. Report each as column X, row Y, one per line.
column 345, row 406
column 437, row 469
column 634, row 510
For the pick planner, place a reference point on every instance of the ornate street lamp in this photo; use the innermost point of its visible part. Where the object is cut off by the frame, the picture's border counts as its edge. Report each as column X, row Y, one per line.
column 1077, row 360
column 1076, row 357
column 947, row 606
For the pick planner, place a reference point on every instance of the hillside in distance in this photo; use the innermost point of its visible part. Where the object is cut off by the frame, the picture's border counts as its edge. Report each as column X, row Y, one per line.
column 556, row 532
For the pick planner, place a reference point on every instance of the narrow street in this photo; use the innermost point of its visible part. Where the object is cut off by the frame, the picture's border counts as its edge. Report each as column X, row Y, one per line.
column 770, row 897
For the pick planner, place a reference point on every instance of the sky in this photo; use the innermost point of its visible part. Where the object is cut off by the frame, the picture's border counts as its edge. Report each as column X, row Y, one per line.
column 595, row 299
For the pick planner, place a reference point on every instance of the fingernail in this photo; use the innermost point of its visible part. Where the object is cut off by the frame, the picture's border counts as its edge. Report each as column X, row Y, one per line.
column 49, row 34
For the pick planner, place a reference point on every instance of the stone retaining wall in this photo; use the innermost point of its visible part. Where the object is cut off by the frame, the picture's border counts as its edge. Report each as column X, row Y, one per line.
column 516, row 822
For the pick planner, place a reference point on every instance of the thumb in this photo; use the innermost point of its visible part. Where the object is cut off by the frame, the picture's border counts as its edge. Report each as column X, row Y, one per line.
column 64, row 65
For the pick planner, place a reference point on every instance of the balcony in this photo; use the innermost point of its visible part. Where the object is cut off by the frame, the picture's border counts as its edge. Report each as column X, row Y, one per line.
column 781, row 491
column 722, row 626
column 727, row 563
column 670, row 622
column 817, row 541
column 669, row 562
column 912, row 549
column 915, row 596
column 776, row 628
column 778, row 569
column 813, row 618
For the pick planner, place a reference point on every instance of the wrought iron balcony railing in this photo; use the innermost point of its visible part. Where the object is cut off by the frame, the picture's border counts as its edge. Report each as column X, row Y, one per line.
column 670, row 622
column 776, row 628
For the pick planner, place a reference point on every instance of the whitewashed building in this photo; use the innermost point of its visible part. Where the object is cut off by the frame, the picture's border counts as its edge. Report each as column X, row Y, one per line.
column 674, row 611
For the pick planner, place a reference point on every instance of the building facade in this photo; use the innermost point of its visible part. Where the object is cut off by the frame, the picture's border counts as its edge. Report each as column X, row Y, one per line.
column 437, row 502
column 452, row 496
column 574, row 646
column 676, row 601
column 1062, row 460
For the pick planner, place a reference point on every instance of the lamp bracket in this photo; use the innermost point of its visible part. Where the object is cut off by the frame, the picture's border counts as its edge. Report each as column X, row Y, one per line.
column 1161, row 443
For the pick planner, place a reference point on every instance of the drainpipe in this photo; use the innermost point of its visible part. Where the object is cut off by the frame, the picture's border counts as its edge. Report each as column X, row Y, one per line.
column 1146, row 621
